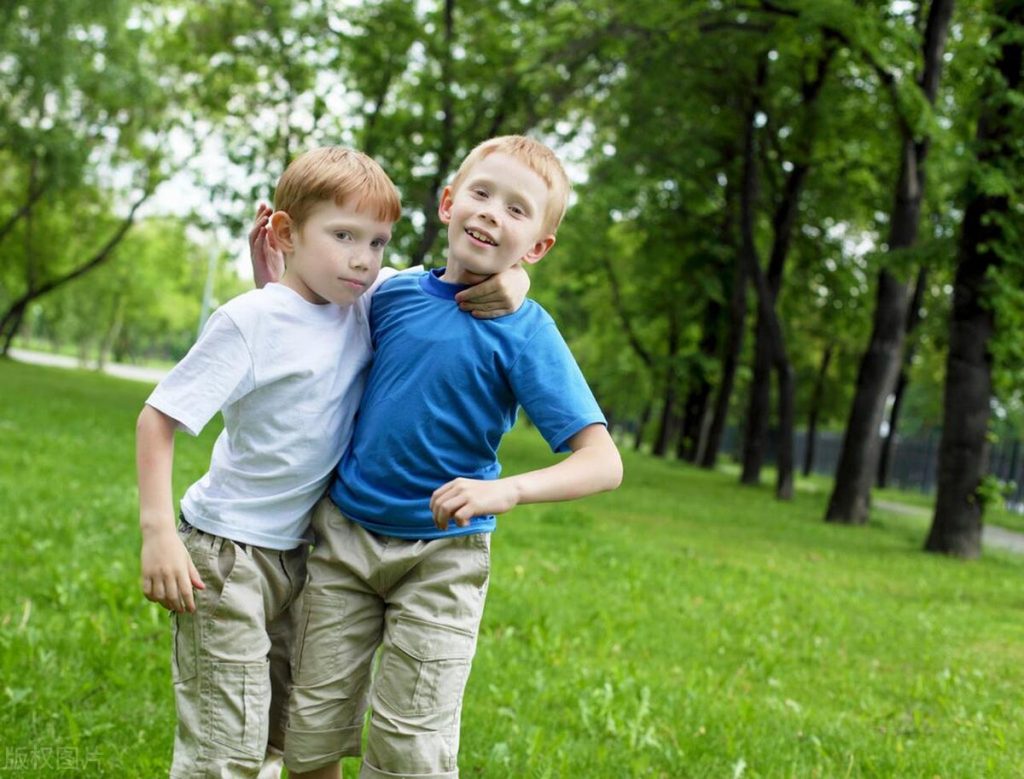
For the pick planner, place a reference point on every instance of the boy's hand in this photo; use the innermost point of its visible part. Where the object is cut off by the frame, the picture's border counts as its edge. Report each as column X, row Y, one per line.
column 267, row 259
column 501, row 294
column 168, row 574
column 463, row 499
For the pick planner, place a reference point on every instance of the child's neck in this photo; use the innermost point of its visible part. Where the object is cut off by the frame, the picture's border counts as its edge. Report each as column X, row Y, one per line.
column 454, row 273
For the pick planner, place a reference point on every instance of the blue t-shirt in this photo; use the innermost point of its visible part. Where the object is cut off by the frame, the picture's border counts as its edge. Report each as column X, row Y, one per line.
column 443, row 390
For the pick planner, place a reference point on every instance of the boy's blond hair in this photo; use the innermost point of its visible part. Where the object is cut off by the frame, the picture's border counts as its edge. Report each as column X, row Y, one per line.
column 538, row 158
column 338, row 174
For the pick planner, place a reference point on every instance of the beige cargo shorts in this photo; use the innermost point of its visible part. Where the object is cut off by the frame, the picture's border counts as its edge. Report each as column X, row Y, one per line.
column 420, row 602
column 230, row 661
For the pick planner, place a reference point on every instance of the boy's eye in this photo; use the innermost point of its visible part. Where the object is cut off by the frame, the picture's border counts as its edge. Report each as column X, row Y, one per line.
column 517, row 210
column 379, row 243
column 343, row 235
column 480, row 192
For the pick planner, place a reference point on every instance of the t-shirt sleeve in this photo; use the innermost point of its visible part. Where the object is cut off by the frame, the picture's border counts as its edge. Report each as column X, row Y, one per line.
column 386, row 273
column 550, row 387
column 216, row 372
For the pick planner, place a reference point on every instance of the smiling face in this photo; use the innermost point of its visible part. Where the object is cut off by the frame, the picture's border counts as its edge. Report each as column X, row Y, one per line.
column 335, row 255
column 495, row 219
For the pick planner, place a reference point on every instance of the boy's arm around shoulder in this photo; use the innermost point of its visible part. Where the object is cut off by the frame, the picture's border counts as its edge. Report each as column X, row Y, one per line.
column 502, row 294
column 168, row 574
column 594, row 466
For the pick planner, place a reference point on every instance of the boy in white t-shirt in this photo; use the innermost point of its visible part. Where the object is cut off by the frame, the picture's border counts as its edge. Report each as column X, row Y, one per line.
column 287, row 370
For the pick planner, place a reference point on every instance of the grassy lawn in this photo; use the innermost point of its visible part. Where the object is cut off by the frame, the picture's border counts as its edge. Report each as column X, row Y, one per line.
column 680, row 627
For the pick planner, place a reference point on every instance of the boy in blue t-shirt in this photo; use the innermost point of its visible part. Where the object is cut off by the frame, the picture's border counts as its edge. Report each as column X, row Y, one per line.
column 401, row 556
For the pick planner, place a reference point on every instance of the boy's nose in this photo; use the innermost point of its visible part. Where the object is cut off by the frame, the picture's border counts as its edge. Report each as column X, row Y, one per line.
column 487, row 212
column 360, row 259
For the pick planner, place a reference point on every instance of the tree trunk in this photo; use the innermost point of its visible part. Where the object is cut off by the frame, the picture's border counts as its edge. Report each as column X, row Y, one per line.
column 668, row 410
column 733, row 347
column 812, row 416
column 787, row 423
column 784, row 371
column 35, row 191
column 755, row 432
column 694, row 413
column 645, row 417
column 666, row 424
column 776, row 348
column 889, row 439
column 730, row 362
column 913, row 319
column 695, row 410
column 784, row 220
column 106, row 344
column 880, row 365
column 757, row 416
column 858, row 458
column 963, row 449
column 10, row 325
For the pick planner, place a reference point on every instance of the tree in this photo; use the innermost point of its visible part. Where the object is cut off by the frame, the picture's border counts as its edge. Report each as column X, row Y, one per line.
column 992, row 238
column 769, row 348
column 144, row 302
column 880, row 365
column 82, row 111
column 418, row 84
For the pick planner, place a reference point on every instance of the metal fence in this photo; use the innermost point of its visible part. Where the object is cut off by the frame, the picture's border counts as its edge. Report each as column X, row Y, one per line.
column 912, row 464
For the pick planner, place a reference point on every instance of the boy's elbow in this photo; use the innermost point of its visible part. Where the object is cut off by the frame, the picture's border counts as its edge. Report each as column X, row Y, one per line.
column 613, row 468
column 615, row 472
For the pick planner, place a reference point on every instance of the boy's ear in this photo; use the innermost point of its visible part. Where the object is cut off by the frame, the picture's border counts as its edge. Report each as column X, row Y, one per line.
column 283, row 228
column 444, row 208
column 539, row 249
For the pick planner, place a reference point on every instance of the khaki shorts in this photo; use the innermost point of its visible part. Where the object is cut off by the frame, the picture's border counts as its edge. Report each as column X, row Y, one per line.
column 230, row 662
column 421, row 603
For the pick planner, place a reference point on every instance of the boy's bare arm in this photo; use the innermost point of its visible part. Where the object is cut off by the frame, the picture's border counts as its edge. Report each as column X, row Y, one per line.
column 593, row 466
column 168, row 574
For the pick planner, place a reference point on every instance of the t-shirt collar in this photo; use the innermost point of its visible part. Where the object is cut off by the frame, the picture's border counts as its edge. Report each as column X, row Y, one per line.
column 431, row 284
column 314, row 312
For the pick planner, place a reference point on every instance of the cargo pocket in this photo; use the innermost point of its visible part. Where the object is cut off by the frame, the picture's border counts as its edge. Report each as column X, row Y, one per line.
column 237, row 705
column 426, row 667
column 185, row 647
column 319, row 641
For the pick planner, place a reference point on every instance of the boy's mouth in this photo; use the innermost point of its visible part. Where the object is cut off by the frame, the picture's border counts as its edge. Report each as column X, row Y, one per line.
column 481, row 236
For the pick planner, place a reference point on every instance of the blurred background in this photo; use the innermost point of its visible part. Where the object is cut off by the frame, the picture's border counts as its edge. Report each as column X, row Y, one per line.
column 795, row 236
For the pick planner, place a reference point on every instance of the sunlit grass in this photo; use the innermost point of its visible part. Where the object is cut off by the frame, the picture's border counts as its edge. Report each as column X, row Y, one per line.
column 679, row 627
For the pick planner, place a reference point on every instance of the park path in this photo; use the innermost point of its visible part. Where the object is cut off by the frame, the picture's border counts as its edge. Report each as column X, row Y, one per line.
column 991, row 535
column 133, row 372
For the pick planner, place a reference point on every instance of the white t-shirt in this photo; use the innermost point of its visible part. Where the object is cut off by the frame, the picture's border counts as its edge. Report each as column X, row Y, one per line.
column 288, row 376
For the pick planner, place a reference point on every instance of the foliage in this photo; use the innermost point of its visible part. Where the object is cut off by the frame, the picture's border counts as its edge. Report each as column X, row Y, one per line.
column 144, row 303
column 83, row 125
column 645, row 101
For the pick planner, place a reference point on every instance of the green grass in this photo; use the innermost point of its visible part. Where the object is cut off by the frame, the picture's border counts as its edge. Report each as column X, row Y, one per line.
column 679, row 627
